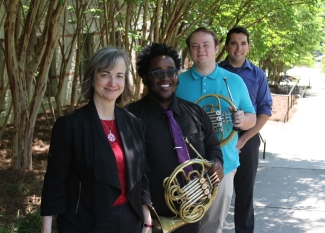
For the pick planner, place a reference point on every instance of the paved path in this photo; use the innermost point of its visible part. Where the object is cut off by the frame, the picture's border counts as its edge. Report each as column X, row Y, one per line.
column 290, row 183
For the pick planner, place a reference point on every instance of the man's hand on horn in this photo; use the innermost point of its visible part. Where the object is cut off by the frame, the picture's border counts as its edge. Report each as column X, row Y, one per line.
column 216, row 171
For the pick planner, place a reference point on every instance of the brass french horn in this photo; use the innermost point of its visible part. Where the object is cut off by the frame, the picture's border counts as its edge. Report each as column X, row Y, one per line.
column 220, row 120
column 189, row 202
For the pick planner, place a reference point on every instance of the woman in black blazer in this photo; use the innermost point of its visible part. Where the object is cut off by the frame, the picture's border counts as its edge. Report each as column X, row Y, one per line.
column 96, row 174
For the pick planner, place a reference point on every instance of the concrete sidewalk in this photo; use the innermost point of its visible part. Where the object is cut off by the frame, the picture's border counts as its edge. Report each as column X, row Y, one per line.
column 290, row 184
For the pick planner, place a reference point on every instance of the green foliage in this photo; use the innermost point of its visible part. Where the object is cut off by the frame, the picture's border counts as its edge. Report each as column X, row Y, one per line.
column 71, row 9
column 97, row 13
column 306, row 60
column 20, row 188
column 26, row 8
column 286, row 37
column 21, row 191
column 283, row 32
column 6, row 229
column 138, row 48
column 135, row 35
column 72, row 21
column 30, row 223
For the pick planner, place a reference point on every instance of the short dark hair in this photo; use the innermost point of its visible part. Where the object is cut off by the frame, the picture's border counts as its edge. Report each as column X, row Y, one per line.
column 237, row 29
column 154, row 50
column 106, row 58
column 203, row 29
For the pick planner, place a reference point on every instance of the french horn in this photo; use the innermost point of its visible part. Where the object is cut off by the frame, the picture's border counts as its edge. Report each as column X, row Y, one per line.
column 188, row 202
column 221, row 121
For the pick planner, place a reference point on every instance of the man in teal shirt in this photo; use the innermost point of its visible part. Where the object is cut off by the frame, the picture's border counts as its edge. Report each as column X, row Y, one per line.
column 205, row 77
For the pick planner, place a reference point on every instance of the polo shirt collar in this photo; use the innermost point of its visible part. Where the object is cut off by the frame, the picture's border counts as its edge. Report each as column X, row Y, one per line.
column 197, row 75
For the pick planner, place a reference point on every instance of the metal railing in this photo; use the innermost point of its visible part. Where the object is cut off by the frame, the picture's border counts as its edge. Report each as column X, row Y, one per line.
column 264, row 142
column 293, row 91
column 292, row 95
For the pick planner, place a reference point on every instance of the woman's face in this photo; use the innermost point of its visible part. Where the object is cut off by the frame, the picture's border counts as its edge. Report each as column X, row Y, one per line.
column 109, row 84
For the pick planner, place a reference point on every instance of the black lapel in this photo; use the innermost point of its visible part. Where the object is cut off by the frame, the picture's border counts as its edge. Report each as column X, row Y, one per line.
column 131, row 141
column 105, row 168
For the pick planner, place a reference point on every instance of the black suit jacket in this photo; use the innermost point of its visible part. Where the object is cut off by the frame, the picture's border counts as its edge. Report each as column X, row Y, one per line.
column 81, row 182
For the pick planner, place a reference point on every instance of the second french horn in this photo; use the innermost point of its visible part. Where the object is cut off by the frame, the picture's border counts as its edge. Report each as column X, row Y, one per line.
column 221, row 120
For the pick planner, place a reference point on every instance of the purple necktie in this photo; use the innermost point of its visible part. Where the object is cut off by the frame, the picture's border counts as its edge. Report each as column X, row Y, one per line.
column 179, row 142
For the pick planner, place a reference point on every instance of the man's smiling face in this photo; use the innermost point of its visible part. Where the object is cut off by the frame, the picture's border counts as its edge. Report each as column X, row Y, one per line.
column 203, row 49
column 162, row 89
column 237, row 49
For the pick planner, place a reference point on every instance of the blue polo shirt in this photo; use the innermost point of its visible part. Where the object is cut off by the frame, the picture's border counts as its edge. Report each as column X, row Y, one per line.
column 193, row 85
column 256, row 83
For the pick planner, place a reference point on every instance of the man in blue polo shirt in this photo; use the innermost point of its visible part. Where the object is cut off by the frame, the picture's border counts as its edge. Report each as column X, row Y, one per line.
column 205, row 77
column 237, row 46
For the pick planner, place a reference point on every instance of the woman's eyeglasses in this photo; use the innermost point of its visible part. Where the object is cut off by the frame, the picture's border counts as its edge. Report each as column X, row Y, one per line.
column 159, row 74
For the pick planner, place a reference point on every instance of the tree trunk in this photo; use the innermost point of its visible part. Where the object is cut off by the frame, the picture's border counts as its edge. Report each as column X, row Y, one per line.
column 26, row 111
column 76, row 75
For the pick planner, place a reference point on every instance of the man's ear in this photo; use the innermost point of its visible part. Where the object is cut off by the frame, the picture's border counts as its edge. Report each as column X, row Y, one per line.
column 217, row 48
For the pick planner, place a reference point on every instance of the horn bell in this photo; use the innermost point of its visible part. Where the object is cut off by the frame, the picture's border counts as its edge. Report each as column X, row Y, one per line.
column 188, row 202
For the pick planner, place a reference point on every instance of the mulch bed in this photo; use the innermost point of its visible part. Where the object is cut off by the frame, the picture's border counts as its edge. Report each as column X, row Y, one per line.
column 20, row 190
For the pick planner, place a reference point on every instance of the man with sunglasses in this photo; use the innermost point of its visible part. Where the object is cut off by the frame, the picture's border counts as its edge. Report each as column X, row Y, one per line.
column 158, row 67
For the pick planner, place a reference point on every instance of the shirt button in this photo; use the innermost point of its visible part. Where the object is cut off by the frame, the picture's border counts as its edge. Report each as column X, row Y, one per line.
column 204, row 84
column 204, row 90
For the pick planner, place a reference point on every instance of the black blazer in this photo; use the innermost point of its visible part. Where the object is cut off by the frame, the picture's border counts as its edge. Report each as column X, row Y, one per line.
column 81, row 182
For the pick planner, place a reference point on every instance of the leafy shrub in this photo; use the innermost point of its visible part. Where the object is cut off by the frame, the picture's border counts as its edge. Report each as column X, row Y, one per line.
column 30, row 223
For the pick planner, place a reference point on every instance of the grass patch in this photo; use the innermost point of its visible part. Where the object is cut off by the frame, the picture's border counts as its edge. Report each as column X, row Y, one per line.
column 20, row 198
column 29, row 223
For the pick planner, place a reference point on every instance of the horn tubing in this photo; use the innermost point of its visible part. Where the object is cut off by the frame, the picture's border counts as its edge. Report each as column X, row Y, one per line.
column 198, row 154
column 232, row 100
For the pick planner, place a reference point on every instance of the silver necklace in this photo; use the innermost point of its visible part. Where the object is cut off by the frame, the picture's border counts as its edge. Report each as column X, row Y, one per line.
column 111, row 137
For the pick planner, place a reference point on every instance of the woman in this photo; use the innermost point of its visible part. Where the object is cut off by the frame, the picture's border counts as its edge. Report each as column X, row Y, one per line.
column 95, row 179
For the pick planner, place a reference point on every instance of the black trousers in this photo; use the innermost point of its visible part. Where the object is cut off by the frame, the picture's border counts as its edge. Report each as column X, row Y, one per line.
column 244, row 186
column 121, row 219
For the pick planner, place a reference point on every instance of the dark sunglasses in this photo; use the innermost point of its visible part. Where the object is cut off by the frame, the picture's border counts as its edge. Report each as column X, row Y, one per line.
column 159, row 74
